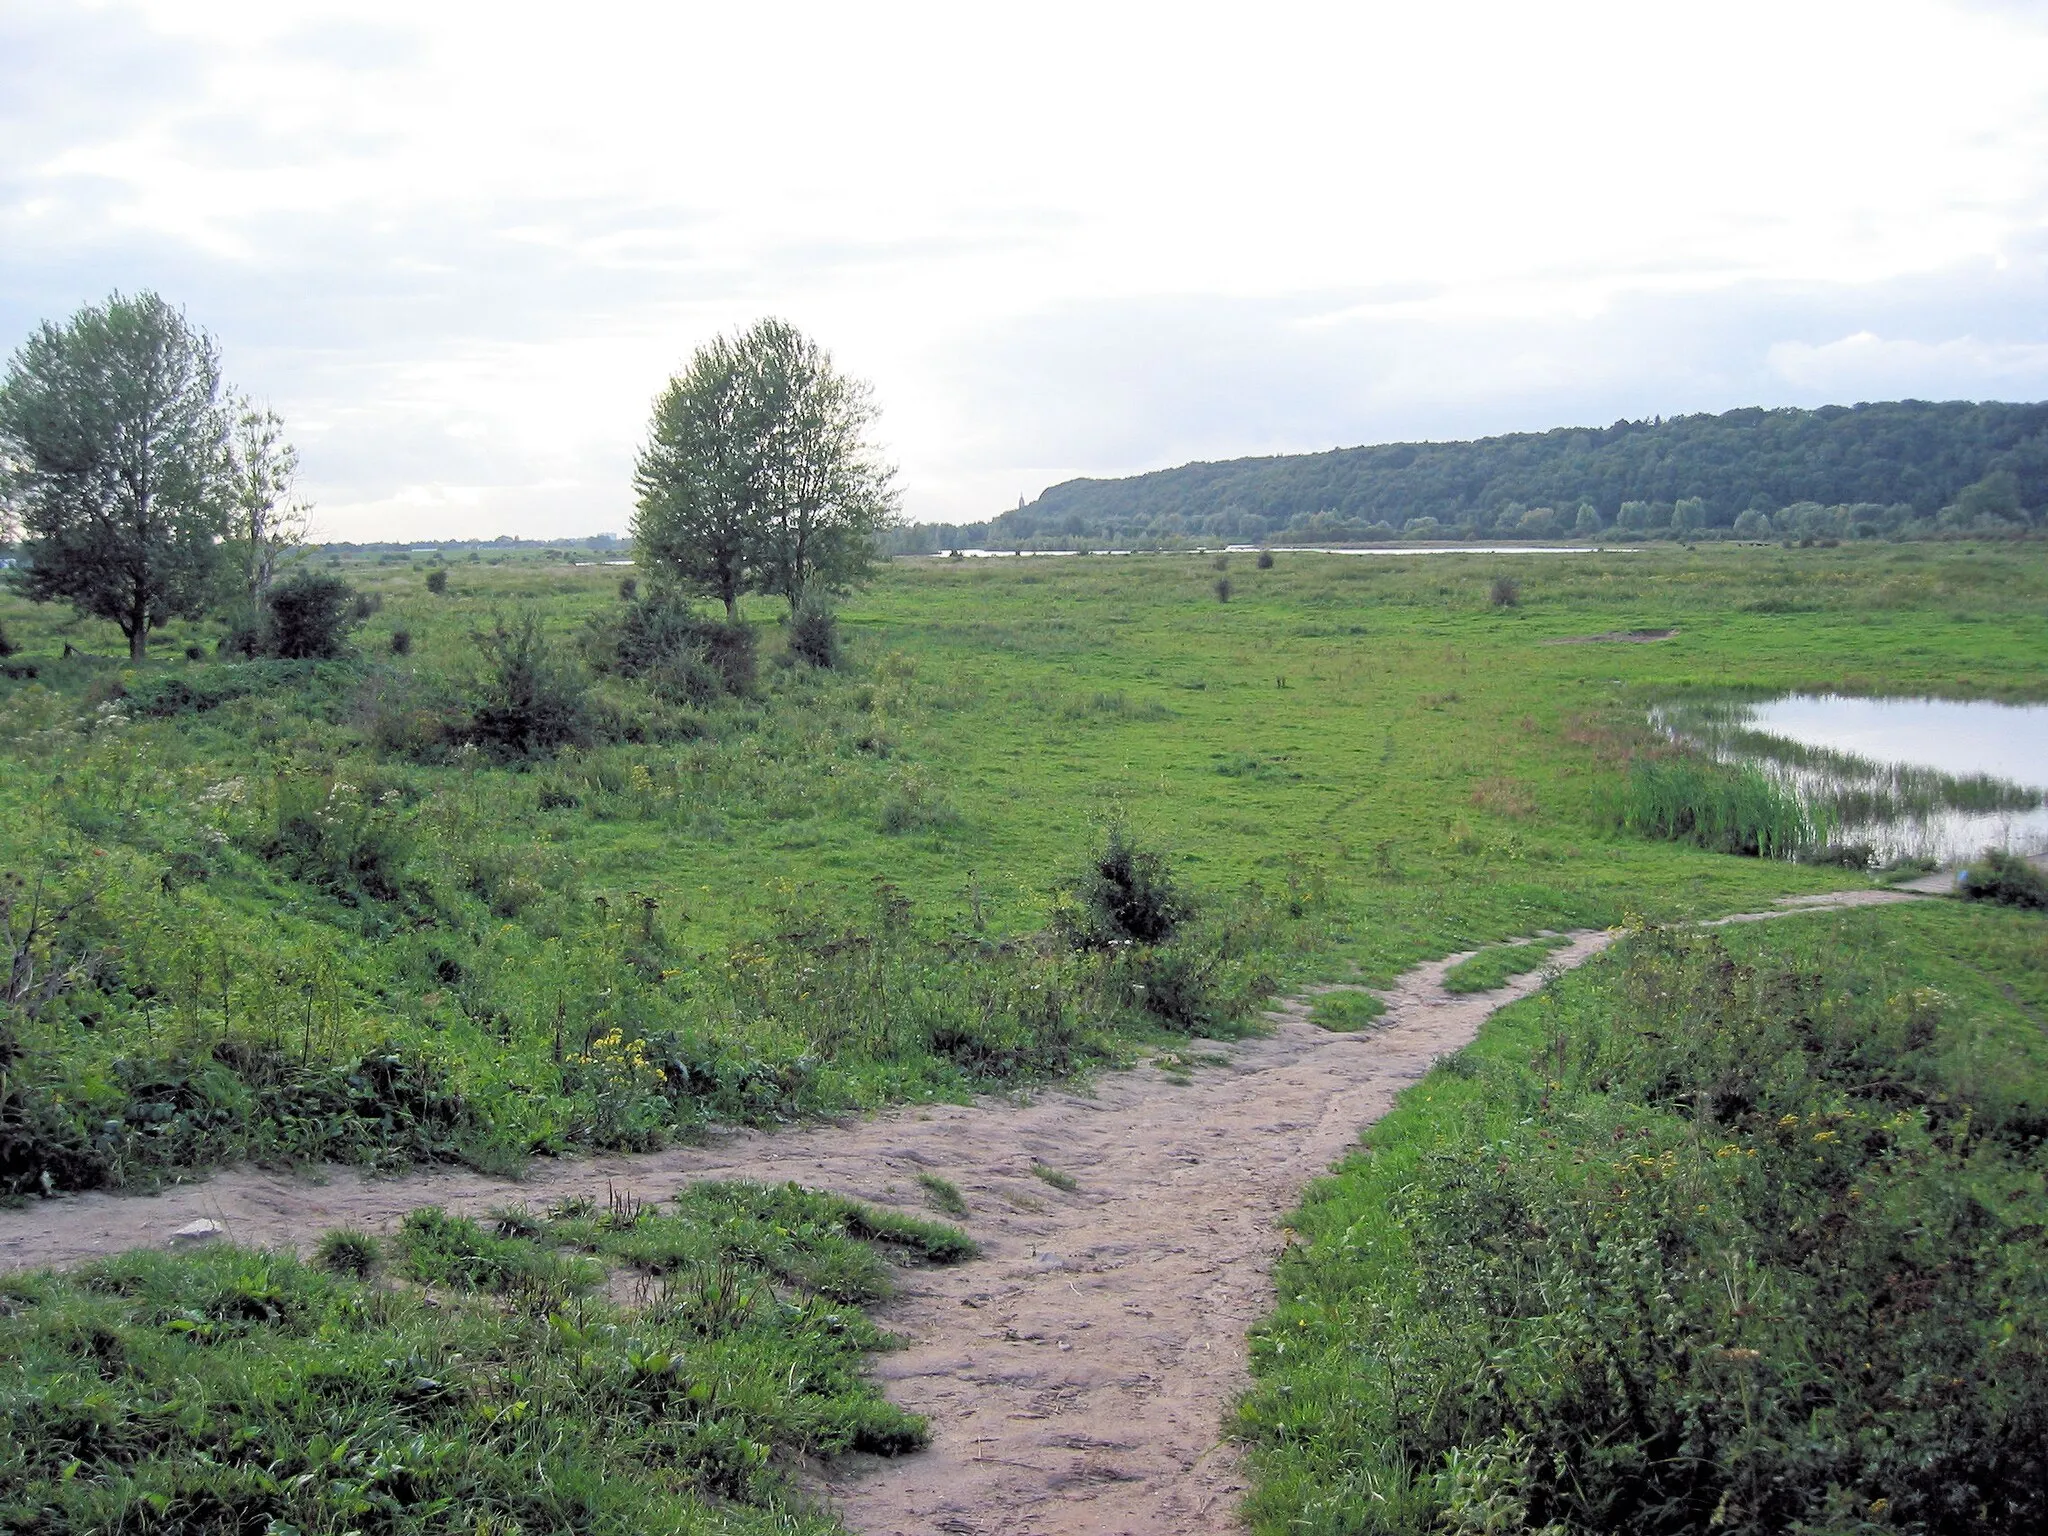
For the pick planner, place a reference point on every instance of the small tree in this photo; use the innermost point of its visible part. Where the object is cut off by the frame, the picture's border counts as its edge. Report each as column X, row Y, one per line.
column 757, row 475
column 113, row 454
column 265, row 518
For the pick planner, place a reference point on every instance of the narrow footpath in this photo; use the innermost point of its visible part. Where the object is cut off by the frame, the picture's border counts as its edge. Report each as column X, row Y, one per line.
column 1077, row 1375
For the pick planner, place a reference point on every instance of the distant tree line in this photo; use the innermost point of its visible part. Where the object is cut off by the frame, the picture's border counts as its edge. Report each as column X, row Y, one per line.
column 1901, row 468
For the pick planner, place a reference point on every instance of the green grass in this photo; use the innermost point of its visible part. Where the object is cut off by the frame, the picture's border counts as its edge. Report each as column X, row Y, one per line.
column 1496, row 965
column 1345, row 1012
column 1062, row 1181
column 232, row 1390
column 289, row 930
column 943, row 1195
column 1737, row 1231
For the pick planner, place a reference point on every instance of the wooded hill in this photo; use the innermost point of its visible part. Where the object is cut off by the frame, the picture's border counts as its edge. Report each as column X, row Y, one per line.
column 1885, row 466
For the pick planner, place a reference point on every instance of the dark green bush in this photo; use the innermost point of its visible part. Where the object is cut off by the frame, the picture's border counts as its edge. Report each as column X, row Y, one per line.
column 1265, row 560
column 1126, row 895
column 685, row 657
column 401, row 642
column 7, row 645
column 533, row 701
column 308, row 616
column 2005, row 878
column 437, row 582
column 814, row 631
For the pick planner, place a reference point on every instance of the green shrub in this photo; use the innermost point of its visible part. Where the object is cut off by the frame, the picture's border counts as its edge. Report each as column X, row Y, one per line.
column 7, row 645
column 401, row 642
column 2005, row 878
column 437, row 581
column 1223, row 589
column 1265, row 560
column 684, row 657
column 1505, row 592
column 1125, row 895
column 308, row 615
column 533, row 702
column 814, row 631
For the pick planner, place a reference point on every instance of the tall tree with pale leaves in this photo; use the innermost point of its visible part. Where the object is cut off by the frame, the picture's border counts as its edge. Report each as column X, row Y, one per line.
column 266, row 518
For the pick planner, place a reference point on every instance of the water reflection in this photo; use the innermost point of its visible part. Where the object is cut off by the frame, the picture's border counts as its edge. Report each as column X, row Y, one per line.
column 1938, row 779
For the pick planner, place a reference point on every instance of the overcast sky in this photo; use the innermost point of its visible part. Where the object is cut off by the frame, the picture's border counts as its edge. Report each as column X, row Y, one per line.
column 461, row 247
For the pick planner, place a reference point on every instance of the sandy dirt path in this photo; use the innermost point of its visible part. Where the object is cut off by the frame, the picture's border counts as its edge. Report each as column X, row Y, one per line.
column 1076, row 1376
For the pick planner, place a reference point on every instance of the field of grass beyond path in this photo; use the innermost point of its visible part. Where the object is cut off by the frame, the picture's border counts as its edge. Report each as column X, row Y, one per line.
column 283, row 913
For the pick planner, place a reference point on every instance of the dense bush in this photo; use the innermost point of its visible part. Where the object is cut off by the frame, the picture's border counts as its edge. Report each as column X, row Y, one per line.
column 533, row 701
column 437, row 581
column 1701, row 1243
column 1125, row 895
column 683, row 656
column 814, row 631
column 1505, row 592
column 308, row 616
column 2005, row 878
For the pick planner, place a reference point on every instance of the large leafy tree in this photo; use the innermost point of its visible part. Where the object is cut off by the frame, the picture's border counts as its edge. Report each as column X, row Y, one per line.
column 113, row 456
column 757, row 474
column 825, row 493
column 697, row 522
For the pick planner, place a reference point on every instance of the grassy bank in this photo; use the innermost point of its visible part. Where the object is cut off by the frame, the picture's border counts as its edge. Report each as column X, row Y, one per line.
column 289, row 910
column 1744, row 1231
column 232, row 1390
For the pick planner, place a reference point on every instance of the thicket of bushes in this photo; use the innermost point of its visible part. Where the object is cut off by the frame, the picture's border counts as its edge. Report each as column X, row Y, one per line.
column 1696, row 1240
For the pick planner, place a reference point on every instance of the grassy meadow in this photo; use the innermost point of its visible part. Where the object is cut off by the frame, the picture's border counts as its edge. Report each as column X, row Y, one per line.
column 282, row 909
column 294, row 911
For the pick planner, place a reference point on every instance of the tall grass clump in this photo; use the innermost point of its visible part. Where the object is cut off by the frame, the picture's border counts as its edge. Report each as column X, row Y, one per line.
column 1716, row 806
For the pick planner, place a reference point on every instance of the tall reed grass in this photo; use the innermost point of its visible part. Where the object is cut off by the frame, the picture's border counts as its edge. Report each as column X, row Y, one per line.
column 1719, row 807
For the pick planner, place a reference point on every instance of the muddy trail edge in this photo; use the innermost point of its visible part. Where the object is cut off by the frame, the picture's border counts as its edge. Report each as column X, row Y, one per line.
column 1077, row 1374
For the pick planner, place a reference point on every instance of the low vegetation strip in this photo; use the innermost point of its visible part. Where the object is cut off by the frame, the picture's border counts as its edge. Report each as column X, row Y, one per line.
column 1739, row 1231
column 238, row 1390
column 1492, row 966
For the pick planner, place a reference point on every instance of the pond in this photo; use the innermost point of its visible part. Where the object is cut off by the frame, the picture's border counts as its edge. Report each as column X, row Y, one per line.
column 1939, row 779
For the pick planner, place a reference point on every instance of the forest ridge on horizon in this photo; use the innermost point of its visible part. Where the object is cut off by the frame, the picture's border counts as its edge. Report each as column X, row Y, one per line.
column 1887, row 466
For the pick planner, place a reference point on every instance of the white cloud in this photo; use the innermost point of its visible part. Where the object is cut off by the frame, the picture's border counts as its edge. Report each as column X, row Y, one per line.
column 469, row 241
